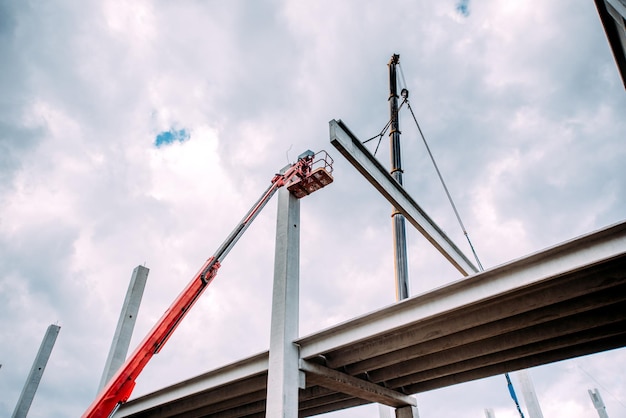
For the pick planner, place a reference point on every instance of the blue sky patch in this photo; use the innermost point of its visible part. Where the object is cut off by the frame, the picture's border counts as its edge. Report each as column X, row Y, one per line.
column 171, row 136
column 463, row 8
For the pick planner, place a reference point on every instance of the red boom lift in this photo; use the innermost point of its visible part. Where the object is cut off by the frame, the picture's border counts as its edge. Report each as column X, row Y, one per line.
column 303, row 177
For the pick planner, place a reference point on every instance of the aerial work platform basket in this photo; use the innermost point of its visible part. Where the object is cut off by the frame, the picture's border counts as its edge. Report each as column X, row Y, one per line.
column 319, row 176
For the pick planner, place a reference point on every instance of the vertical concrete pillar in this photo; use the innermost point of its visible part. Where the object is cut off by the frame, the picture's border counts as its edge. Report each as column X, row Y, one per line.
column 283, row 372
column 125, row 324
column 489, row 413
column 530, row 396
column 407, row 412
column 384, row 411
column 598, row 403
column 36, row 372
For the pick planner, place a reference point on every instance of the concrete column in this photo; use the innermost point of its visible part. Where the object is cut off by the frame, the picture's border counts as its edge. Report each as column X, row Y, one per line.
column 125, row 325
column 598, row 403
column 489, row 413
column 384, row 411
column 407, row 412
column 283, row 373
column 36, row 372
column 530, row 396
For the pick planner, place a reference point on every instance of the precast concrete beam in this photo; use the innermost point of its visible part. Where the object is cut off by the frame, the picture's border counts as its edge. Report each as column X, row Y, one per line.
column 344, row 383
column 245, row 370
column 351, row 148
column 550, row 263
column 483, row 321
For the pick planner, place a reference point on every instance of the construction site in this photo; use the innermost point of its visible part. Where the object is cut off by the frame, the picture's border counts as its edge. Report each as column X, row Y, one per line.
column 559, row 303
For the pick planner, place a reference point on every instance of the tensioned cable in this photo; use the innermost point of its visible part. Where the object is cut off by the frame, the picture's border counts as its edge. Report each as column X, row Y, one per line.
column 402, row 76
column 458, row 217
column 382, row 133
column 443, row 183
column 513, row 395
column 379, row 136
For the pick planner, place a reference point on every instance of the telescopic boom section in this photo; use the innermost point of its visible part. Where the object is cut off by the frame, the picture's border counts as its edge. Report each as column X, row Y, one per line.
column 302, row 178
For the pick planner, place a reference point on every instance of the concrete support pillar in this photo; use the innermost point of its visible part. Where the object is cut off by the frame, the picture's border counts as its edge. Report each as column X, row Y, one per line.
column 125, row 325
column 407, row 412
column 36, row 372
column 489, row 413
column 530, row 396
column 384, row 411
column 598, row 403
column 283, row 373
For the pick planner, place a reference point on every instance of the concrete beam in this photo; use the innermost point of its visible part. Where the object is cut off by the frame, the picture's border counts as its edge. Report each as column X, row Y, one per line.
column 488, row 348
column 351, row 385
column 375, row 173
column 552, row 262
column 246, row 369
column 521, row 361
column 484, row 321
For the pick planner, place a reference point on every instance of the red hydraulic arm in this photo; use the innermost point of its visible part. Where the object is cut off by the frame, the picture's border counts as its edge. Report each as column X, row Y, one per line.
column 301, row 179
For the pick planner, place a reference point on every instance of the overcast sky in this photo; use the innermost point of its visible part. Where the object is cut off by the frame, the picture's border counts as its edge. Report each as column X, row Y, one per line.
column 140, row 132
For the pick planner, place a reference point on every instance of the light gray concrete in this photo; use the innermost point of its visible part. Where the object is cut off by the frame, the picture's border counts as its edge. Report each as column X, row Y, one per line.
column 125, row 324
column 529, row 394
column 384, row 411
column 407, row 412
column 551, row 262
column 36, row 372
column 598, row 403
column 283, row 373
column 359, row 388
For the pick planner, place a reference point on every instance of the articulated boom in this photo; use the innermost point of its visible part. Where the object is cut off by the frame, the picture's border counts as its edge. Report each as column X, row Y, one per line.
column 302, row 178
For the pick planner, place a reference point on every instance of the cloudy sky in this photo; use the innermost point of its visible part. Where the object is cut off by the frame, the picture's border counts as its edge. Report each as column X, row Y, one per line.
column 140, row 132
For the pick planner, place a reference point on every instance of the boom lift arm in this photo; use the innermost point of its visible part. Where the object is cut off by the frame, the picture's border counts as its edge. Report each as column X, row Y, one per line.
column 301, row 179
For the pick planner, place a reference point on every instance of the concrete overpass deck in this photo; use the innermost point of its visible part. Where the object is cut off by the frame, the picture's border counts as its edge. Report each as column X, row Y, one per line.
column 565, row 301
